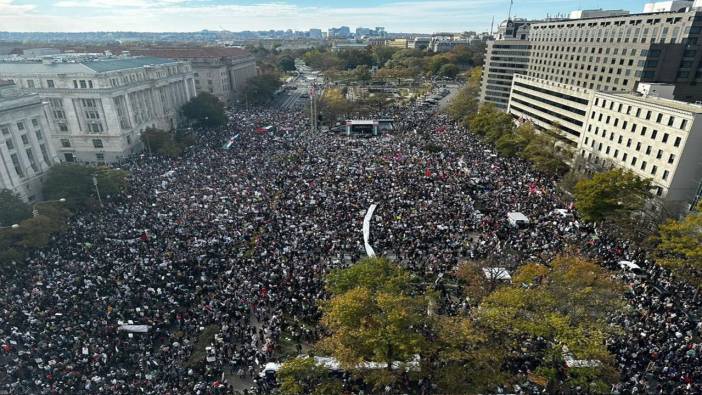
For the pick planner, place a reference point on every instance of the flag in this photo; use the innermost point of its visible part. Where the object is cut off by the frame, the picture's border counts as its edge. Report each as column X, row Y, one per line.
column 427, row 173
column 532, row 188
column 144, row 236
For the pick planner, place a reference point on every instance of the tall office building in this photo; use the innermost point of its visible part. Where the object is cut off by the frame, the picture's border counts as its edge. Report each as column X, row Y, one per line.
column 505, row 56
column 616, row 53
column 26, row 152
column 98, row 106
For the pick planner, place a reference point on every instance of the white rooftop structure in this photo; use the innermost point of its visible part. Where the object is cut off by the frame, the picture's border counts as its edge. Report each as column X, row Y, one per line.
column 599, row 13
column 667, row 6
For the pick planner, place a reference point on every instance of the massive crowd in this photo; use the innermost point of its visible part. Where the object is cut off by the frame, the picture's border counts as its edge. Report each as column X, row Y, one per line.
column 235, row 242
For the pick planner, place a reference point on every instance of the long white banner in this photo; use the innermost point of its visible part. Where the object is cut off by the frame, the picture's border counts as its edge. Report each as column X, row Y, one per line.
column 366, row 230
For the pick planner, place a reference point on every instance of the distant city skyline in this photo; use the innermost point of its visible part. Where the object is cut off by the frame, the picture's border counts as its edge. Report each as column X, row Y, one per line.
column 417, row 16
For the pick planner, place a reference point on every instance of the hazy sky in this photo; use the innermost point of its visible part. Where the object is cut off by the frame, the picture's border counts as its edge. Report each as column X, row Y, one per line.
column 423, row 16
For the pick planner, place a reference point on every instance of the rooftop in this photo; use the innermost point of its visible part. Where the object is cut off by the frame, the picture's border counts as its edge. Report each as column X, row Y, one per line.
column 84, row 67
column 574, row 22
column 193, row 53
column 669, row 103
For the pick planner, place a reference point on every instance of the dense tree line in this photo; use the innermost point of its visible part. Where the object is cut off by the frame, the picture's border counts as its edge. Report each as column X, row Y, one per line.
column 380, row 313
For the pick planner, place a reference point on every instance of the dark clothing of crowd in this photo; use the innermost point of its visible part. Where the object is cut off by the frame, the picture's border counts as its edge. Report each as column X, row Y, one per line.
column 237, row 241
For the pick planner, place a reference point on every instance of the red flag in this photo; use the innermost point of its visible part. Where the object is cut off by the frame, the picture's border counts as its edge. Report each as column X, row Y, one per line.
column 427, row 173
column 532, row 188
column 144, row 236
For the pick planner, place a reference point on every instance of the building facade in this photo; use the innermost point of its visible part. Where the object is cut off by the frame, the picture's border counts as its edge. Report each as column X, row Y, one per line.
column 220, row 71
column 26, row 152
column 503, row 60
column 505, row 56
column 557, row 108
column 616, row 53
column 98, row 108
column 655, row 138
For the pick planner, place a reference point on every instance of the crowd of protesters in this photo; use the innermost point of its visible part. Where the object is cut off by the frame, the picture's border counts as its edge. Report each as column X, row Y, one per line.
column 194, row 278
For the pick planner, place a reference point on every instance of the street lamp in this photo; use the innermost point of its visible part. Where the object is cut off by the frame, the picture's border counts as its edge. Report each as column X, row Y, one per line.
column 95, row 182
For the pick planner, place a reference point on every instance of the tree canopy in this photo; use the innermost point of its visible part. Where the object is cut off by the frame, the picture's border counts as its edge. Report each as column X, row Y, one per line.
column 74, row 183
column 259, row 90
column 302, row 376
column 206, row 110
column 680, row 247
column 166, row 143
column 612, row 195
column 558, row 312
column 12, row 208
column 286, row 63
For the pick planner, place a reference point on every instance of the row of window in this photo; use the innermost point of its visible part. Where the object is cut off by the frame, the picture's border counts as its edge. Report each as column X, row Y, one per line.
column 654, row 134
column 97, row 143
column 584, row 84
column 642, row 166
column 638, row 112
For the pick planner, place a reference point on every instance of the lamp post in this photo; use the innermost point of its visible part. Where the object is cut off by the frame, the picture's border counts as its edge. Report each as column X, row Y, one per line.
column 97, row 190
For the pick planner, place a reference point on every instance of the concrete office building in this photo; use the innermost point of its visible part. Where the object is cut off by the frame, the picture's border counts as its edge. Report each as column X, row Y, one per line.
column 667, row 6
column 547, row 103
column 98, row 107
column 26, row 152
column 656, row 138
column 616, row 53
column 220, row 71
column 599, row 13
column 505, row 56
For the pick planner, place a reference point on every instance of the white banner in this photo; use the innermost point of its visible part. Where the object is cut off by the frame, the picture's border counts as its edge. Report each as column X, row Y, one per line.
column 366, row 230
column 134, row 328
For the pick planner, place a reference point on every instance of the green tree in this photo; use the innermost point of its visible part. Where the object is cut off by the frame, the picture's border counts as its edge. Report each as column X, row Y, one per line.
column 680, row 247
column 32, row 233
column 166, row 143
column 568, row 307
column 362, row 73
column 74, row 183
column 449, row 70
column 612, row 195
column 321, row 60
column 382, row 55
column 259, row 90
column 286, row 63
column 465, row 104
column 12, row 208
column 206, row 110
column 302, row 376
column 436, row 62
column 541, row 150
column 372, row 326
column 491, row 123
column 350, row 59
column 375, row 274
column 334, row 104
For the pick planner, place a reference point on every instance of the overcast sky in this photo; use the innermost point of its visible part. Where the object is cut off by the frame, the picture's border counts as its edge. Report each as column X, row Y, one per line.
column 421, row 16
